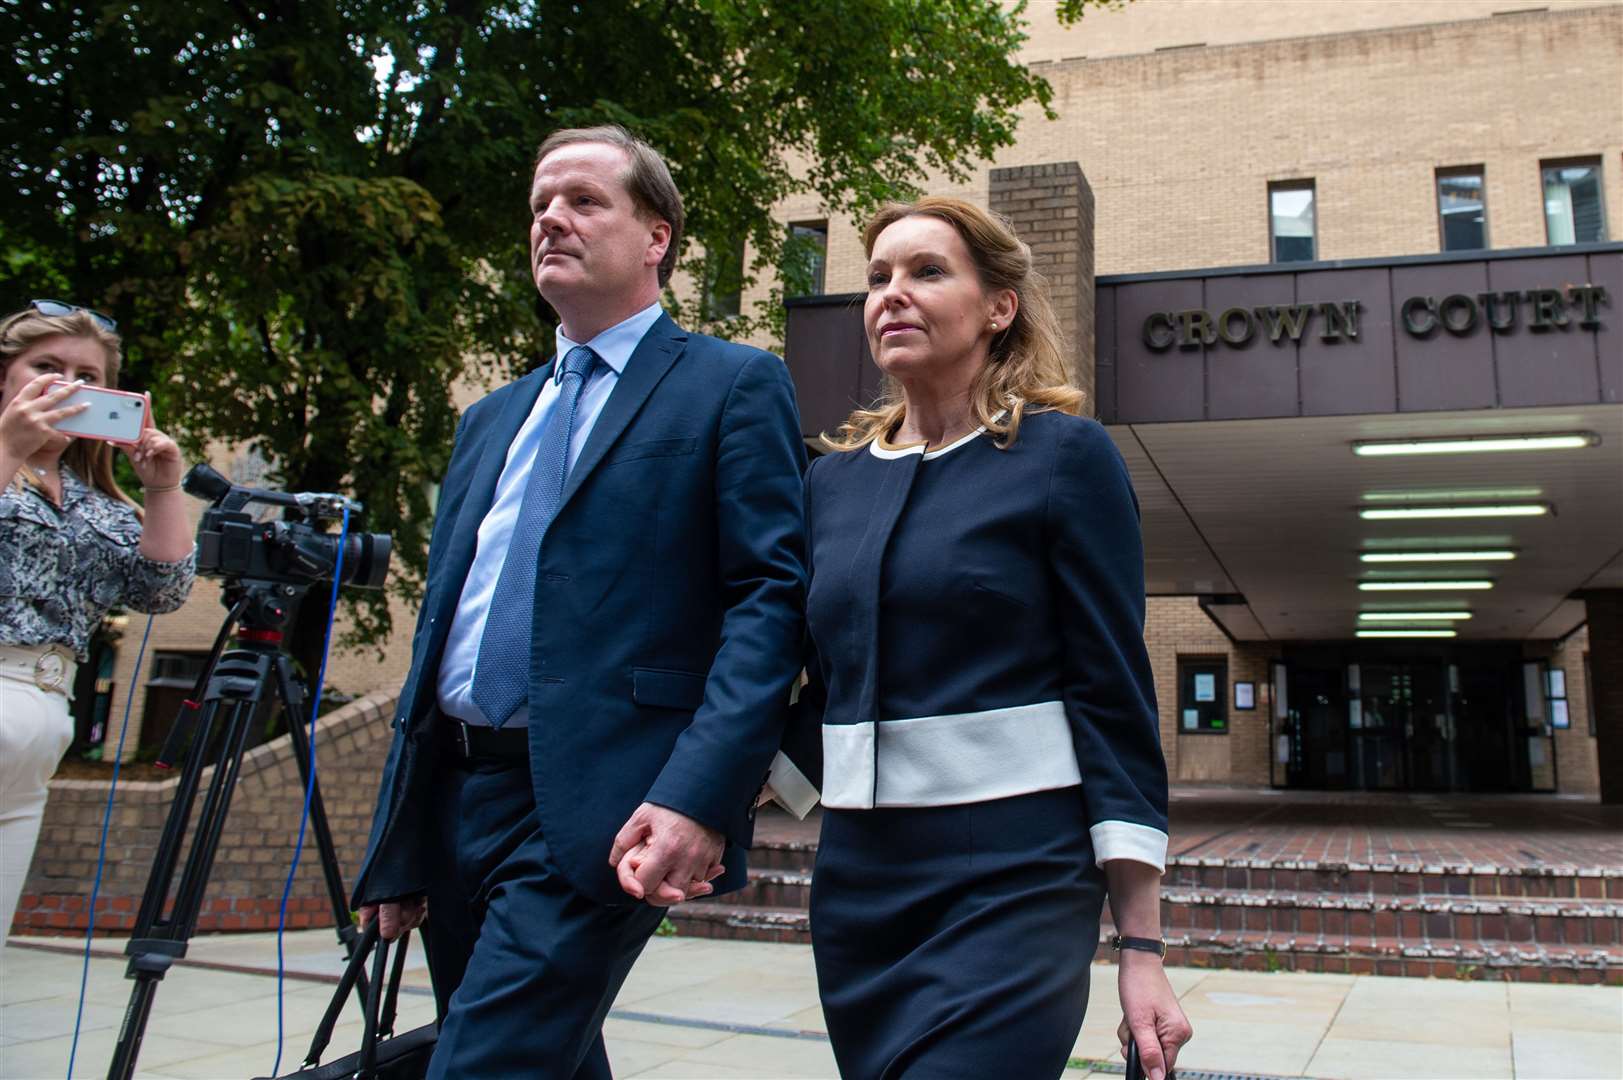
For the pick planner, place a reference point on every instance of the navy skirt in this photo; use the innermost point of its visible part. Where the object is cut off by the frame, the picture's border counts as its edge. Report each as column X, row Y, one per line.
column 955, row 941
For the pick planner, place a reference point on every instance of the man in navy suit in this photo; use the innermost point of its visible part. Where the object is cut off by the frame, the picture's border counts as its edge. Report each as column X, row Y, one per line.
column 610, row 629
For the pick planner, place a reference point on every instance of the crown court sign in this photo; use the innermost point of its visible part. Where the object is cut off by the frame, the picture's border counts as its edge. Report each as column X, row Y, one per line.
column 1491, row 330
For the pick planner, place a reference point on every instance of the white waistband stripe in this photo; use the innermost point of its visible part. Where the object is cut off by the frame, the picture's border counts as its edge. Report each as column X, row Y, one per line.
column 950, row 759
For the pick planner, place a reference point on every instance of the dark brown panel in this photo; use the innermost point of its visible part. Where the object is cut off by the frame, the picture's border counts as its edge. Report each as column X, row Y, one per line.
column 1104, row 346
column 1442, row 371
column 1259, row 378
column 1548, row 367
column 1348, row 375
column 825, row 357
column 1607, row 272
column 1155, row 386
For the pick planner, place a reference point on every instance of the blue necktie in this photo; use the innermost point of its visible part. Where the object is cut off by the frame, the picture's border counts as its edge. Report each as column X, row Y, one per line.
column 501, row 678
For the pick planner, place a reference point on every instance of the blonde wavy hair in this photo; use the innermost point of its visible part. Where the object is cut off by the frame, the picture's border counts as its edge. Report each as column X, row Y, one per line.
column 1026, row 369
column 92, row 459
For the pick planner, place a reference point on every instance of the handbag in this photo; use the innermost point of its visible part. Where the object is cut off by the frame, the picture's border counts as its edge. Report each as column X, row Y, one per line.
column 383, row 1055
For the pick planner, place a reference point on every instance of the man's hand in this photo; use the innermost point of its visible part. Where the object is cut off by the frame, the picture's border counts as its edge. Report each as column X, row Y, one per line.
column 395, row 917
column 664, row 857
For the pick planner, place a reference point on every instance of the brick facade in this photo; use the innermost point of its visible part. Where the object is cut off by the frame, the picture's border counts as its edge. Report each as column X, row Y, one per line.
column 1051, row 207
column 256, row 847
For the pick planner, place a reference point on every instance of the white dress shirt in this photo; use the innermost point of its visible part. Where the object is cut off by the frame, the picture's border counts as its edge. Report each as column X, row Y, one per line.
column 614, row 347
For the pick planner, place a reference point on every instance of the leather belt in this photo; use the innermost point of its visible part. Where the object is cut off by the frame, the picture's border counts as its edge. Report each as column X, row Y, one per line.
column 477, row 742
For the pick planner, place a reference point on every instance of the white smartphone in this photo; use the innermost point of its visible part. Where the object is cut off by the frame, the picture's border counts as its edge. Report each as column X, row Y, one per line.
column 114, row 415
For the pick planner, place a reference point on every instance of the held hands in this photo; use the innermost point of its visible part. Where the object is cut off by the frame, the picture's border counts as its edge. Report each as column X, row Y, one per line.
column 154, row 456
column 26, row 423
column 664, row 857
column 1150, row 1013
column 395, row 917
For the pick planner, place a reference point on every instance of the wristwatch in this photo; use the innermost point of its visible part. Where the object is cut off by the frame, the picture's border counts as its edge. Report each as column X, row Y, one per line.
column 1142, row 944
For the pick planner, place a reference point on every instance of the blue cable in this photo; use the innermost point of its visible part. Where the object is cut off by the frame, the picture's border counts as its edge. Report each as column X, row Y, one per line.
column 310, row 782
column 101, row 854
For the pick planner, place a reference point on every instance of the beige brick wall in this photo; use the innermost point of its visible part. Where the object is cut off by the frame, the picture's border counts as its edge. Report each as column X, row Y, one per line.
column 1179, row 146
column 1576, row 761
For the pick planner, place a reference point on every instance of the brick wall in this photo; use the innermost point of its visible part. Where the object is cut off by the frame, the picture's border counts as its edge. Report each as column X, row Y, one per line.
column 1051, row 209
column 1179, row 146
column 1577, row 764
column 255, row 850
column 1176, row 626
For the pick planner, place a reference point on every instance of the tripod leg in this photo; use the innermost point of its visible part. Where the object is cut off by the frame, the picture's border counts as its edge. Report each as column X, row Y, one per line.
column 158, row 940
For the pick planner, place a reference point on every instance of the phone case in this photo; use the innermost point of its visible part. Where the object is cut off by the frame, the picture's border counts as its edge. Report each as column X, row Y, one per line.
column 114, row 415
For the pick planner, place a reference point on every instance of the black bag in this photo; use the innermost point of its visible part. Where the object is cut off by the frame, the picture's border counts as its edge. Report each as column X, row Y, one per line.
column 383, row 1055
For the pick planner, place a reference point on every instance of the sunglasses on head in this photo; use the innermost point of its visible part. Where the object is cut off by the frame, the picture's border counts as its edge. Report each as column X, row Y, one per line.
column 56, row 309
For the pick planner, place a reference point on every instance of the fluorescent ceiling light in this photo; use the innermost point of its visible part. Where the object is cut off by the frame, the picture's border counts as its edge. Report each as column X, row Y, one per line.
column 1437, row 556
column 1477, row 444
column 1410, row 616
column 1422, row 586
column 1435, row 495
column 1397, row 513
column 1405, row 633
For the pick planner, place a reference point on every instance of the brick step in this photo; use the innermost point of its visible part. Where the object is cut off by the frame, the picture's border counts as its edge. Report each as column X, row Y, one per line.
column 1434, row 958
column 784, row 855
column 1513, row 921
column 1397, row 879
column 741, row 922
column 1253, row 950
column 788, row 889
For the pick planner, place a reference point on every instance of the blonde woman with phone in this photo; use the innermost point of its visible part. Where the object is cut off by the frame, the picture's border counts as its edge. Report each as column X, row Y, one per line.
column 72, row 546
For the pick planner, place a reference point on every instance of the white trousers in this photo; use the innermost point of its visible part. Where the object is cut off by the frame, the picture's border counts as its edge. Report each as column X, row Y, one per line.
column 35, row 731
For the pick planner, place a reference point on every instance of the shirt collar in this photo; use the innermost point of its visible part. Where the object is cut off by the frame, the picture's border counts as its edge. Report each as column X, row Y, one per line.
column 615, row 345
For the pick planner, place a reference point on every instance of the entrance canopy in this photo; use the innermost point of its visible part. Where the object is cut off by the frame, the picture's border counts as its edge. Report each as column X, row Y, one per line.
column 1311, row 444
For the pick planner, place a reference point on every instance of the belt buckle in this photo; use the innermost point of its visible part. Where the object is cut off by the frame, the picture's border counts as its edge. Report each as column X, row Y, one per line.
column 51, row 672
column 463, row 739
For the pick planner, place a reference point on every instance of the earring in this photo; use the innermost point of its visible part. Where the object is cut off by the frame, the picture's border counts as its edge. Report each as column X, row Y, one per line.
column 992, row 326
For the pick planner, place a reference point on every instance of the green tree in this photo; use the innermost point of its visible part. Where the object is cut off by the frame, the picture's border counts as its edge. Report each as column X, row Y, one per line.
column 309, row 216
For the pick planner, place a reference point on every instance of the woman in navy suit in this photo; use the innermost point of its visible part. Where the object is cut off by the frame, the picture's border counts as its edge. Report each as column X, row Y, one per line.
column 980, row 714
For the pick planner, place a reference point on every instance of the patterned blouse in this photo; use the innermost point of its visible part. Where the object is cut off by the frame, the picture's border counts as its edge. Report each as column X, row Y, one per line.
column 61, row 570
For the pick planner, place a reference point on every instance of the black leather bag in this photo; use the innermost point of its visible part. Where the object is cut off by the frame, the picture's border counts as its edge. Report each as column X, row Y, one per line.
column 383, row 1055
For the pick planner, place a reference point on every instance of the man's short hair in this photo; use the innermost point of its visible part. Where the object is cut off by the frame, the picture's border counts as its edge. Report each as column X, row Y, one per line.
column 649, row 179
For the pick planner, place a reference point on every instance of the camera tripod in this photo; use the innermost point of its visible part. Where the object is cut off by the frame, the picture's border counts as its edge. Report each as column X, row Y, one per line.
column 232, row 689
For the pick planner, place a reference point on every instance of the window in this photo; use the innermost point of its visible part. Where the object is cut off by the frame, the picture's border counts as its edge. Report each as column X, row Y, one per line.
column 1462, row 215
column 1203, row 696
column 1290, row 221
column 805, row 255
column 1573, row 209
column 724, row 279
column 173, row 678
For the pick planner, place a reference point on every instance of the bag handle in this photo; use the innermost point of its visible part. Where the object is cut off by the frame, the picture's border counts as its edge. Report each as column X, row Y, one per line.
column 374, row 1003
column 346, row 984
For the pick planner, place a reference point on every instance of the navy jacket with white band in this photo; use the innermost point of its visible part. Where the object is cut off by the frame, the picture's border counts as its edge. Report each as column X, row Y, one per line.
column 976, row 621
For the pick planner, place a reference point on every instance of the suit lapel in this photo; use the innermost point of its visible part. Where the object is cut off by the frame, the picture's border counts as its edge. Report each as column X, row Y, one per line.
column 659, row 349
column 482, row 487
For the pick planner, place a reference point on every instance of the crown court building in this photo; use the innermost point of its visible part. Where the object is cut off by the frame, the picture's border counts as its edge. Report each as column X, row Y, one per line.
column 1277, row 230
column 1344, row 284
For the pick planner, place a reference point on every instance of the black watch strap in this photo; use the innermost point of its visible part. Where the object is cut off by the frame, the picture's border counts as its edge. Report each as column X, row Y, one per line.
column 1142, row 944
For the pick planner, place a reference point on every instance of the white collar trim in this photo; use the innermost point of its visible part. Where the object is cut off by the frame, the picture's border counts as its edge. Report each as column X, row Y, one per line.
column 918, row 448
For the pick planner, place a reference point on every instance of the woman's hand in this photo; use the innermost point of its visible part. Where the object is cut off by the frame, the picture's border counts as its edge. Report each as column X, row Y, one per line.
column 1150, row 1013
column 154, row 456
column 26, row 423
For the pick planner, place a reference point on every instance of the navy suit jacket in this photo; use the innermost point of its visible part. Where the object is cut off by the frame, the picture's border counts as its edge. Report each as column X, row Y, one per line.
column 669, row 601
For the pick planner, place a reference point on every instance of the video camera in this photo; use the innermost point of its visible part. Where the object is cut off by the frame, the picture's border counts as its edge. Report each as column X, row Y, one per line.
column 232, row 545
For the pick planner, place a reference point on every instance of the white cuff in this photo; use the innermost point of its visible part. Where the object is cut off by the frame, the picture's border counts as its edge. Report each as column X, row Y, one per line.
column 789, row 787
column 1127, row 840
